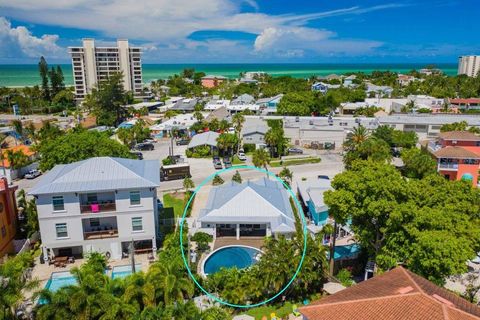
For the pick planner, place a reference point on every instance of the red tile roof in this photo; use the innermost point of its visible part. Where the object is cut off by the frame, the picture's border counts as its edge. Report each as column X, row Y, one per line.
column 465, row 101
column 459, row 135
column 393, row 295
column 456, row 153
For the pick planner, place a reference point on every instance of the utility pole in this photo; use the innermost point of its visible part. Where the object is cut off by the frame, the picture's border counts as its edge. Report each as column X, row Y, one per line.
column 332, row 249
column 132, row 256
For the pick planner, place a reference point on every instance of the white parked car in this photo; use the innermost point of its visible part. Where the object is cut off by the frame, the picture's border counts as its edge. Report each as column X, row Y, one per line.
column 242, row 156
column 231, row 130
column 32, row 174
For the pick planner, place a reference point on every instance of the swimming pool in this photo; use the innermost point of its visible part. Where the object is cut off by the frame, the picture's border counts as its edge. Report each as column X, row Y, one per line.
column 59, row 280
column 229, row 257
column 350, row 251
column 123, row 271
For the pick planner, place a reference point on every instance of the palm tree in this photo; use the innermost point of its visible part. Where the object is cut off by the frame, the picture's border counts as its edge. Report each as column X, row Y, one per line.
column 14, row 283
column 356, row 138
column 238, row 120
column 170, row 282
column 226, row 141
column 188, row 184
column 260, row 158
column 286, row 175
column 18, row 125
column 237, row 177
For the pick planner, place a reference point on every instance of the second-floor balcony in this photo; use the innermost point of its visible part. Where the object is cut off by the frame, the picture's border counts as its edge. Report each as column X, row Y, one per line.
column 444, row 165
column 99, row 228
column 97, row 202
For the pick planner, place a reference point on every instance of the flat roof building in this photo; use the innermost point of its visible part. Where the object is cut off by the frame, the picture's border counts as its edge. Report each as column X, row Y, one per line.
column 92, row 65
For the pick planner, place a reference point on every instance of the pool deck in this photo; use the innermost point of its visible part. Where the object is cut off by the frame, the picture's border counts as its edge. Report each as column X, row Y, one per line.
column 42, row 272
column 256, row 242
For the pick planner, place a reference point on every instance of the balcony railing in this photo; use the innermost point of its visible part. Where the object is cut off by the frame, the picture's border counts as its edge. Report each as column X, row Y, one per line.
column 453, row 166
column 93, row 235
column 97, row 208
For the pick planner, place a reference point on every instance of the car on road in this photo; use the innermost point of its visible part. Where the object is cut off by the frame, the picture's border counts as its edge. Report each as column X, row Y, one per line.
column 182, row 142
column 139, row 155
column 217, row 165
column 242, row 156
column 144, row 146
column 32, row 174
column 150, row 141
column 295, row 151
column 226, row 162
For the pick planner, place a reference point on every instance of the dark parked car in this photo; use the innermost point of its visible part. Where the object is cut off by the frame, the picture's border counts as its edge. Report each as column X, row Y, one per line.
column 295, row 150
column 216, row 159
column 139, row 155
column 182, row 142
column 144, row 146
column 226, row 162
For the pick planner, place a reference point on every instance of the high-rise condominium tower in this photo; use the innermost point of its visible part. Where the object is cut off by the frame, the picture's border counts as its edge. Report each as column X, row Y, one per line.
column 93, row 64
column 469, row 65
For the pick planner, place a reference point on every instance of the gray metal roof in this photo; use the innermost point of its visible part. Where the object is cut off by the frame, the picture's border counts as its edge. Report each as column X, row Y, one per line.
column 259, row 128
column 262, row 201
column 207, row 138
column 312, row 190
column 243, row 99
column 430, row 119
column 98, row 174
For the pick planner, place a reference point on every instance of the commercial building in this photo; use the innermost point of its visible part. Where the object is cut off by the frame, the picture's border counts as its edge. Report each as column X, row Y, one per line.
column 251, row 209
column 99, row 204
column 8, row 217
column 92, row 65
column 469, row 65
column 395, row 294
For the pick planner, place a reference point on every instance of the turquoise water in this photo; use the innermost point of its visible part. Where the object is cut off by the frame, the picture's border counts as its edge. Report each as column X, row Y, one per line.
column 239, row 257
column 344, row 252
column 123, row 271
column 59, row 280
column 27, row 75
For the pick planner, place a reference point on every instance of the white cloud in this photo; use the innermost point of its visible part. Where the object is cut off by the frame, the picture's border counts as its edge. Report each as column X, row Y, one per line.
column 297, row 41
column 167, row 24
column 19, row 42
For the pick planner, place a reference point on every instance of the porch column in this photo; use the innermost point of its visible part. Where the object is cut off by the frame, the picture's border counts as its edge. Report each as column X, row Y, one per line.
column 238, row 231
column 45, row 254
column 154, row 246
column 214, row 231
column 268, row 231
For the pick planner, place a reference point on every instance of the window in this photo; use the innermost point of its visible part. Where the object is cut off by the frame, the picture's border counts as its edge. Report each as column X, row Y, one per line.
column 92, row 198
column 137, row 224
column 61, row 229
column 134, row 198
column 94, row 222
column 58, row 204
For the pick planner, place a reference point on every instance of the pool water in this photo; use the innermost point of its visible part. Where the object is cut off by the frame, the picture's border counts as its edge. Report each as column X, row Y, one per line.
column 123, row 271
column 59, row 280
column 229, row 257
column 345, row 252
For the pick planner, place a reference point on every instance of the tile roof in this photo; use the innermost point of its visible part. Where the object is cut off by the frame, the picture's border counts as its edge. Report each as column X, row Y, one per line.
column 396, row 294
column 98, row 174
column 456, row 153
column 459, row 135
column 26, row 150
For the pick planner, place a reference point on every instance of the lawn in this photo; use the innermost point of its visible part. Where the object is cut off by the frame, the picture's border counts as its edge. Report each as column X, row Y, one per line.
column 236, row 161
column 173, row 201
column 280, row 311
column 293, row 162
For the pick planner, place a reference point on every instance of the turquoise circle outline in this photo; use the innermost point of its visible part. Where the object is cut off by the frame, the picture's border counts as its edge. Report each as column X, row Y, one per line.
column 304, row 223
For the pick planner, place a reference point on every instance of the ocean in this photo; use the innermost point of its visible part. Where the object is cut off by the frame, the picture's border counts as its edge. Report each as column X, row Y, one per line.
column 27, row 75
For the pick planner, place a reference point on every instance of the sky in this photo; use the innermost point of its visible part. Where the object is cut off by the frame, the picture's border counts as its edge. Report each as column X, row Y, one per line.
column 245, row 31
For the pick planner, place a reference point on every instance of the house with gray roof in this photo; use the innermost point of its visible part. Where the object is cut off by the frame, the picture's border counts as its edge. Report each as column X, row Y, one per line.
column 251, row 209
column 208, row 138
column 243, row 99
column 254, row 133
column 99, row 204
column 185, row 105
column 311, row 194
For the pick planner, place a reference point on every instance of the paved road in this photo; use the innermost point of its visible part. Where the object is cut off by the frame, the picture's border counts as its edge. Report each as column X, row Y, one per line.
column 330, row 165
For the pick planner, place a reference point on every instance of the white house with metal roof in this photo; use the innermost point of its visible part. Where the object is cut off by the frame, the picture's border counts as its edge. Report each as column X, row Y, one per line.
column 251, row 209
column 99, row 204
